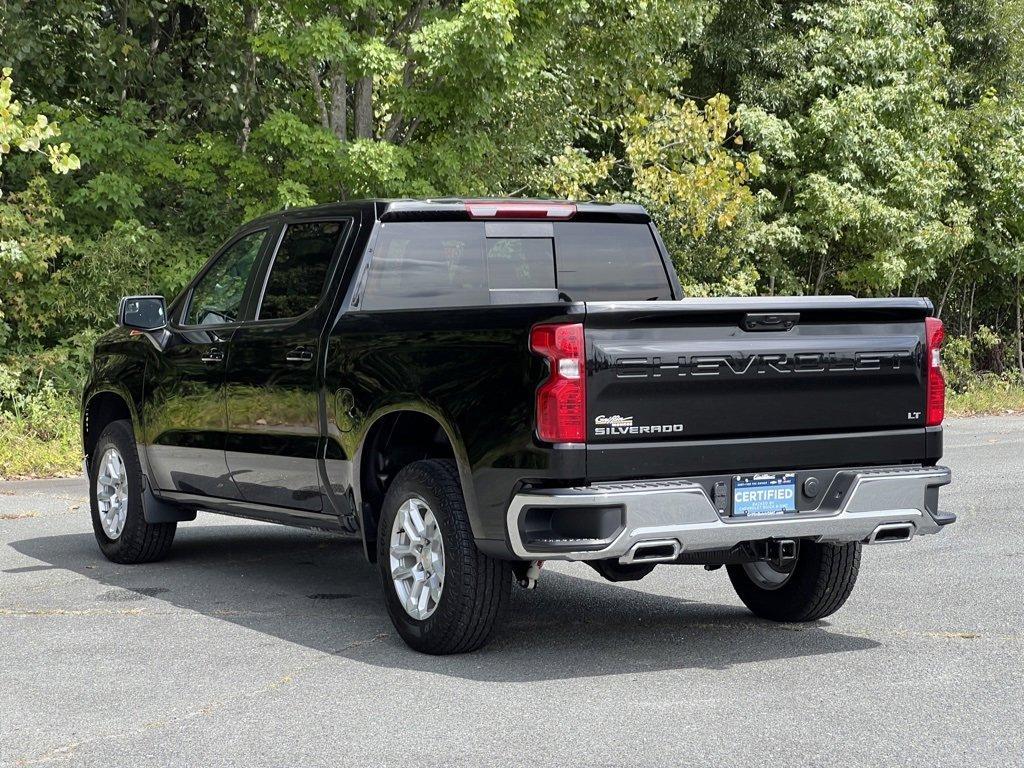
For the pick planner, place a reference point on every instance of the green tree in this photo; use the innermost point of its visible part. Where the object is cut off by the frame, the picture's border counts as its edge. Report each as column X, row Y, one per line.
column 685, row 163
column 864, row 146
column 848, row 104
column 28, row 239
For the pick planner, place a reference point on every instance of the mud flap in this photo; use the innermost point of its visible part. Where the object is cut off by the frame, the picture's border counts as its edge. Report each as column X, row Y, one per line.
column 159, row 511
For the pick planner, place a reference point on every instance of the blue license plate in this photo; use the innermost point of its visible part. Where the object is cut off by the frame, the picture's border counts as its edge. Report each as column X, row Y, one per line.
column 763, row 494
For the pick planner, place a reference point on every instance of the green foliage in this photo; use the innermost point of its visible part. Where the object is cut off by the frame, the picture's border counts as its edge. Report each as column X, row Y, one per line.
column 30, row 135
column 851, row 88
column 962, row 356
column 989, row 394
column 685, row 163
column 30, row 241
column 811, row 146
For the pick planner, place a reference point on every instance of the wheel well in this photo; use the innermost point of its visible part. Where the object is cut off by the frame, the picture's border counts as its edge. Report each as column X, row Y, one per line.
column 393, row 442
column 101, row 409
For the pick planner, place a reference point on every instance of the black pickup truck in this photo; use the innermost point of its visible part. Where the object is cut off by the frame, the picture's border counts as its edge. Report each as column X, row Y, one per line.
column 472, row 387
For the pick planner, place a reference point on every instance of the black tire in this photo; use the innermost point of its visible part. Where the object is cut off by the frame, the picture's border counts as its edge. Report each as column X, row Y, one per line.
column 139, row 541
column 821, row 581
column 476, row 587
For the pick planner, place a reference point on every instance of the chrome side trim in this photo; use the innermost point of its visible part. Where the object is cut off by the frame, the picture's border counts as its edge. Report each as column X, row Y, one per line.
column 680, row 510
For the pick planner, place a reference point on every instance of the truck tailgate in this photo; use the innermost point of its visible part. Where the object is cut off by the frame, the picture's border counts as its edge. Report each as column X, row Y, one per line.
column 706, row 369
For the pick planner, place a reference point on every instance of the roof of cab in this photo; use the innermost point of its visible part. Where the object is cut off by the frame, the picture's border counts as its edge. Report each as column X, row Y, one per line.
column 456, row 208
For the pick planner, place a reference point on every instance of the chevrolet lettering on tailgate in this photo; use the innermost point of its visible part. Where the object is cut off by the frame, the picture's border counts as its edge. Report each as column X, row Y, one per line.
column 740, row 364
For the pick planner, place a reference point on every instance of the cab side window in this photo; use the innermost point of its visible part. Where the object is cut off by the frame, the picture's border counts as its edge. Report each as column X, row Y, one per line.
column 299, row 270
column 217, row 297
column 427, row 264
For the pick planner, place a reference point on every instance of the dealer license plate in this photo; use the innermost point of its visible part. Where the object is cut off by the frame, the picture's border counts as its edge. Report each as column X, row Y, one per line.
column 763, row 494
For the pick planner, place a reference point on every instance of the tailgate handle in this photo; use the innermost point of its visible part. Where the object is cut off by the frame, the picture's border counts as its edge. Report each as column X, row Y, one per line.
column 770, row 321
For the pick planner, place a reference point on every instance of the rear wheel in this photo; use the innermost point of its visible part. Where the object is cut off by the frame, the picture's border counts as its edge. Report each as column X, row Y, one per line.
column 811, row 587
column 443, row 594
column 115, row 496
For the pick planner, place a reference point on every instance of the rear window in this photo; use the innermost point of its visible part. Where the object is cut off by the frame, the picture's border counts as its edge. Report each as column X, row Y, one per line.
column 469, row 263
column 609, row 262
column 520, row 262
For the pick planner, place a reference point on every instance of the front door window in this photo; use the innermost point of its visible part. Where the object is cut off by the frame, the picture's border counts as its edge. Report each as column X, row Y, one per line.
column 217, row 297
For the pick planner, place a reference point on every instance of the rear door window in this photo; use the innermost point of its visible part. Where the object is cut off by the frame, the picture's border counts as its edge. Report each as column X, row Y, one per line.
column 518, row 262
column 299, row 270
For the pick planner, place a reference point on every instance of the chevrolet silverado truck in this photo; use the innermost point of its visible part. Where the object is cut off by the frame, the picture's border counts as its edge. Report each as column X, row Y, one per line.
column 472, row 387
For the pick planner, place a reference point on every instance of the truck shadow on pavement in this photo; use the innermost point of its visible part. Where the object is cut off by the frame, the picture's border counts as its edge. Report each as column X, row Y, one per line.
column 317, row 591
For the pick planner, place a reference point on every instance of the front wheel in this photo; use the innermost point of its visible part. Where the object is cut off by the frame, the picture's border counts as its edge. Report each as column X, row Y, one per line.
column 443, row 594
column 813, row 586
column 115, row 496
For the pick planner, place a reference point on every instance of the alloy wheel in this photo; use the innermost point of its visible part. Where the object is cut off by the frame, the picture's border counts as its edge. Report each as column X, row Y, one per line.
column 112, row 493
column 417, row 558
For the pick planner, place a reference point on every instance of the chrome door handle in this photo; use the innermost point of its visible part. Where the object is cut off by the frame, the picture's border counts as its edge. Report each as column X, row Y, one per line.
column 214, row 355
column 299, row 355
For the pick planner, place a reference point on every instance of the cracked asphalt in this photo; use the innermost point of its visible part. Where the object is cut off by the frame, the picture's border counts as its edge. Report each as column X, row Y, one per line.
column 259, row 645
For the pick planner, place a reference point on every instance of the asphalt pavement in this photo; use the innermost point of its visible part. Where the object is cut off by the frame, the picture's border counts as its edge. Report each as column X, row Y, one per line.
column 257, row 645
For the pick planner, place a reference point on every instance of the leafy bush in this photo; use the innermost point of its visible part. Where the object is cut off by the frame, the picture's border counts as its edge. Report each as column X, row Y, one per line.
column 38, row 429
column 981, row 357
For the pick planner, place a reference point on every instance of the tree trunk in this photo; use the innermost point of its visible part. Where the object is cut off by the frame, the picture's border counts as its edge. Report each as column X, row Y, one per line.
column 1020, row 341
column 339, row 105
column 821, row 276
column 970, row 312
column 397, row 119
column 248, row 106
column 945, row 293
column 318, row 95
column 154, row 34
column 364, row 107
column 122, row 28
column 363, row 111
column 191, row 21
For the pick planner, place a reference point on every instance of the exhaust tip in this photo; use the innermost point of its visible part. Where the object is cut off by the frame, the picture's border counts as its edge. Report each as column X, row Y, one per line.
column 891, row 533
column 652, row 552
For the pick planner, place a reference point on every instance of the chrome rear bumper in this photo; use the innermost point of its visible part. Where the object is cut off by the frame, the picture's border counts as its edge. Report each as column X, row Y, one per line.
column 868, row 505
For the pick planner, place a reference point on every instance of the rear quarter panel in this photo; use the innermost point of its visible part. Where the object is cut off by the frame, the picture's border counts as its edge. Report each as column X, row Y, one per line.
column 470, row 369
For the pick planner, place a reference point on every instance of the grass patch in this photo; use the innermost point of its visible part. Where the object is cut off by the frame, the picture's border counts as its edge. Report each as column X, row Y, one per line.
column 41, row 440
column 986, row 396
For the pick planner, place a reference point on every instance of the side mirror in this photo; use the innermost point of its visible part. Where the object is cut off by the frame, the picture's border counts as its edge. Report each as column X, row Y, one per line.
column 142, row 313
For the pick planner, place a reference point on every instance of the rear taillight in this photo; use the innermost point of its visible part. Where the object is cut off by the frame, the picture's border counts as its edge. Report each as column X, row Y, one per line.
column 562, row 398
column 936, row 406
